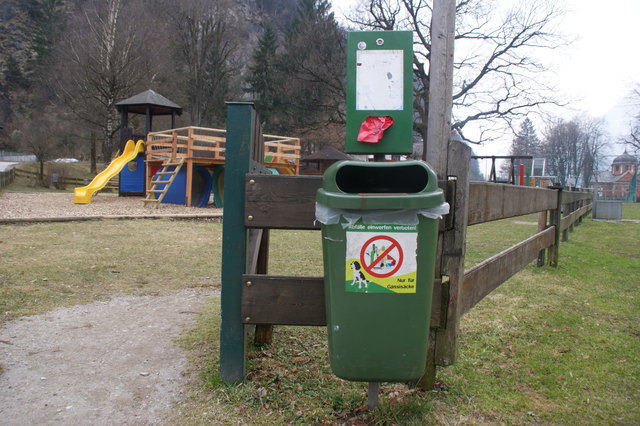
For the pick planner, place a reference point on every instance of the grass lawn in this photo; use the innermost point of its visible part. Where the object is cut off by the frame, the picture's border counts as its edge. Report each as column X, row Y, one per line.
column 63, row 264
column 631, row 211
column 549, row 346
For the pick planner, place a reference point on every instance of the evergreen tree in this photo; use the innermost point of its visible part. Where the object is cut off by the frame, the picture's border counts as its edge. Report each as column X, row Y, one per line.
column 526, row 141
column 14, row 87
column 314, row 63
column 47, row 22
column 263, row 74
column 13, row 75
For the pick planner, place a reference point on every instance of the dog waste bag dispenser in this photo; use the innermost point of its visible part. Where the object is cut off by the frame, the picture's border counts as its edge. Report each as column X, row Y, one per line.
column 379, row 236
column 379, row 103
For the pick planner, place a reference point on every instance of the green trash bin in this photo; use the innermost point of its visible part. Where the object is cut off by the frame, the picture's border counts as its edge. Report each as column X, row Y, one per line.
column 379, row 237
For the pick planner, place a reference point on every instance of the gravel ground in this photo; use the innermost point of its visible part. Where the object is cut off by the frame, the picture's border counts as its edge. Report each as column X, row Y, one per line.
column 106, row 363
column 19, row 205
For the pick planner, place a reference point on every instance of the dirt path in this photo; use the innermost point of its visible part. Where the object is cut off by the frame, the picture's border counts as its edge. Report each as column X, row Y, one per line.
column 113, row 362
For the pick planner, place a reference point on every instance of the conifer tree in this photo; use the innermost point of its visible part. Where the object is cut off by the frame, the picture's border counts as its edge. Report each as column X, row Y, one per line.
column 526, row 141
column 263, row 74
column 314, row 62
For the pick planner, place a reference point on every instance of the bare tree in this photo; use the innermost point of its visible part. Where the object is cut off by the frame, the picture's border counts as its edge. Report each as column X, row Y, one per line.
column 633, row 137
column 574, row 150
column 206, row 51
column 39, row 133
column 102, row 61
column 496, row 73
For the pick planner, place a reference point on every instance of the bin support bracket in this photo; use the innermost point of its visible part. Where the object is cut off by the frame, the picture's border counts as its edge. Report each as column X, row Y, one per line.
column 372, row 400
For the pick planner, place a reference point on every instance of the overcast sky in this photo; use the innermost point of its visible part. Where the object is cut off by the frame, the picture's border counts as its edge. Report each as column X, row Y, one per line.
column 603, row 64
column 598, row 69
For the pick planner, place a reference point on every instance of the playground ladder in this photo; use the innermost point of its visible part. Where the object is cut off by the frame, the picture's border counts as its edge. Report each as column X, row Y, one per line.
column 169, row 168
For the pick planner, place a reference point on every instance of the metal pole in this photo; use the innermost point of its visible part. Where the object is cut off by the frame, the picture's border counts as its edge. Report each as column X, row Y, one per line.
column 372, row 399
column 240, row 143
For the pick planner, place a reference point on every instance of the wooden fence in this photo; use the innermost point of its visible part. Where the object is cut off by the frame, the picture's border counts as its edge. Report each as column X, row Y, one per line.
column 7, row 177
column 559, row 211
column 252, row 297
column 281, row 202
column 61, row 182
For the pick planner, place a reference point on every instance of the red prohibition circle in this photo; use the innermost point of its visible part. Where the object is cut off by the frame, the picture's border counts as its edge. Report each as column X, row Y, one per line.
column 394, row 244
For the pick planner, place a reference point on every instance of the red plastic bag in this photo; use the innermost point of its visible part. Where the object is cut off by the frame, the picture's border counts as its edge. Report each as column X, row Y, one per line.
column 372, row 129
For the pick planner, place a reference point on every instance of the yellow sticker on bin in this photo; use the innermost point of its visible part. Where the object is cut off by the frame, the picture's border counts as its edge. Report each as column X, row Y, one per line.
column 381, row 258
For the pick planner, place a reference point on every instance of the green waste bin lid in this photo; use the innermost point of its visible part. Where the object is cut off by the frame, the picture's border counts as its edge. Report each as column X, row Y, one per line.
column 392, row 186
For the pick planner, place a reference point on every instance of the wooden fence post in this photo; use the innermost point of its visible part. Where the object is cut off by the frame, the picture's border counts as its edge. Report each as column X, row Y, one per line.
column 264, row 332
column 543, row 220
column 437, row 143
column 189, row 180
column 453, row 251
column 565, row 210
column 581, row 204
column 556, row 216
column 241, row 146
column 573, row 206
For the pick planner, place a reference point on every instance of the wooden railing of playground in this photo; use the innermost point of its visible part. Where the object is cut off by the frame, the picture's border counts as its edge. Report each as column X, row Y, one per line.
column 252, row 297
column 202, row 145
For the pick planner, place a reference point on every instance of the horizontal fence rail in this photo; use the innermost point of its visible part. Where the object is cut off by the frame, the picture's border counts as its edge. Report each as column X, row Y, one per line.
column 299, row 300
column 494, row 201
column 280, row 202
column 488, row 275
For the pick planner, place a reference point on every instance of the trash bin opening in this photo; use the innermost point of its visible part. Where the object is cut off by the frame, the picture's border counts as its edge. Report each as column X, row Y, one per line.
column 402, row 179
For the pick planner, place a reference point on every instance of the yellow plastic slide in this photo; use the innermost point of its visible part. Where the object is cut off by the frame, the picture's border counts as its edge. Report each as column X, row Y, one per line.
column 83, row 194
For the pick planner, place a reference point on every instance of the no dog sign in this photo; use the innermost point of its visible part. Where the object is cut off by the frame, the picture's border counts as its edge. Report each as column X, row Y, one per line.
column 381, row 258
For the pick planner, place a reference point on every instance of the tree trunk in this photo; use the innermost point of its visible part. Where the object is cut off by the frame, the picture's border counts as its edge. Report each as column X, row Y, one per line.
column 92, row 147
column 41, row 172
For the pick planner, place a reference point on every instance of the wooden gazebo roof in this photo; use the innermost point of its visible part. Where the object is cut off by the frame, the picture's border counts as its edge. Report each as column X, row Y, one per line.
column 149, row 100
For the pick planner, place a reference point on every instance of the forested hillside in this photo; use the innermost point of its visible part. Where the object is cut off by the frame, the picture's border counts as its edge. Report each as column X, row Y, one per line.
column 65, row 63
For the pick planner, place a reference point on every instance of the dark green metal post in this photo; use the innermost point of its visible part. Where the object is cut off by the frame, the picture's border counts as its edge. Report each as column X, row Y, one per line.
column 239, row 146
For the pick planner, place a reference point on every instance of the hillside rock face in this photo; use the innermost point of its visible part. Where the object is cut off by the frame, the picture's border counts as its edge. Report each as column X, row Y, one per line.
column 27, row 30
column 17, row 32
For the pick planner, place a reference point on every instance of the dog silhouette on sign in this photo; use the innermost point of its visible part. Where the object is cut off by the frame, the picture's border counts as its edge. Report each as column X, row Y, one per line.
column 358, row 276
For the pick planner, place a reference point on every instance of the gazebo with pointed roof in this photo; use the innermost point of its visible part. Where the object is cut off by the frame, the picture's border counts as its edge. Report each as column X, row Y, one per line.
column 324, row 158
column 133, row 180
column 147, row 103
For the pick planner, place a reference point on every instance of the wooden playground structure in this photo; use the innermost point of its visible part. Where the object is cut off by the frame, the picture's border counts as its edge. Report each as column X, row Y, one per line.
column 169, row 150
